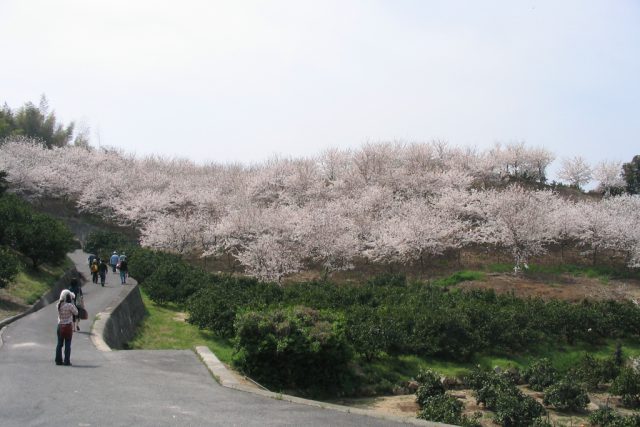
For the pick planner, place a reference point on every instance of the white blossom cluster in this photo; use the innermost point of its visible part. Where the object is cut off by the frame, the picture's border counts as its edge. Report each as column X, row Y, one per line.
column 389, row 203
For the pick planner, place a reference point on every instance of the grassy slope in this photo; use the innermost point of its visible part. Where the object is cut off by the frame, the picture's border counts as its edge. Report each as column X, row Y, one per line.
column 31, row 284
column 28, row 286
column 164, row 328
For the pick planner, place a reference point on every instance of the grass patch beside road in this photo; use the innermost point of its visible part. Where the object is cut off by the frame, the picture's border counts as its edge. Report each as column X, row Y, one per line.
column 165, row 328
column 31, row 284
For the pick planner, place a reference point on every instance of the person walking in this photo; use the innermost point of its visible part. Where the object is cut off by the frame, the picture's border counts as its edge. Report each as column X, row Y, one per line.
column 94, row 271
column 124, row 270
column 90, row 259
column 114, row 260
column 102, row 271
column 66, row 311
column 78, row 301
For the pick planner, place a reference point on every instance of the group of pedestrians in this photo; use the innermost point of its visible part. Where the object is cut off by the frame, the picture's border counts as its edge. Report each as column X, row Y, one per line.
column 99, row 267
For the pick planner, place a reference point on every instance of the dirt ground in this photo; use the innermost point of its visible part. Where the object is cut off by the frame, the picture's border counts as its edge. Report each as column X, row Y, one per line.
column 565, row 287
column 406, row 405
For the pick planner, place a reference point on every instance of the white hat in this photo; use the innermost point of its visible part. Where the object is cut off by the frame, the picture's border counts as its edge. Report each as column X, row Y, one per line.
column 63, row 294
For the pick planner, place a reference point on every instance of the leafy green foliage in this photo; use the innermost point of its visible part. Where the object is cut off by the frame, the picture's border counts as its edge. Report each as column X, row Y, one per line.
column 631, row 175
column 9, row 264
column 540, row 374
column 4, row 184
column 627, row 385
column 35, row 122
column 516, row 409
column 215, row 306
column 103, row 243
column 430, row 385
column 496, row 392
column 44, row 239
column 488, row 386
column 566, row 394
column 298, row 348
column 38, row 236
column 607, row 417
column 446, row 409
column 592, row 372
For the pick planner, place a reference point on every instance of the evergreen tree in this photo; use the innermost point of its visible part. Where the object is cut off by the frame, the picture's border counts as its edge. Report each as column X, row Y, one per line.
column 631, row 174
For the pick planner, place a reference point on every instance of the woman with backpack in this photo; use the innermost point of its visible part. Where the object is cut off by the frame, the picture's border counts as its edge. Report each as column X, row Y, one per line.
column 124, row 270
column 66, row 311
column 94, row 271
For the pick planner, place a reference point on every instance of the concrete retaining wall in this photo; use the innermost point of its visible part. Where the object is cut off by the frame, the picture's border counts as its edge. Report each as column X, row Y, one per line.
column 118, row 323
column 48, row 298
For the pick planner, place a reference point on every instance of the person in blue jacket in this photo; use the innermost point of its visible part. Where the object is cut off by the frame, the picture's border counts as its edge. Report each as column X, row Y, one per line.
column 114, row 260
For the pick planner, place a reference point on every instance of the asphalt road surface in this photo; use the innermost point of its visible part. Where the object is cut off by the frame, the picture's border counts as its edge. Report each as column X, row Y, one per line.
column 127, row 388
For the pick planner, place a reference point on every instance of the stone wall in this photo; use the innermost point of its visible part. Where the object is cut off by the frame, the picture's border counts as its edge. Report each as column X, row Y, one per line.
column 121, row 322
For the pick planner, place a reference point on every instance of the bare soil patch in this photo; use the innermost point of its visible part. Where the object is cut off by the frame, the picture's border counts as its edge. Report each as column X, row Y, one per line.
column 565, row 287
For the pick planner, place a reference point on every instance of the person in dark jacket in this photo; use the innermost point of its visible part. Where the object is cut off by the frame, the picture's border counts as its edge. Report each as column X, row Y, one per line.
column 102, row 271
column 78, row 301
column 124, row 271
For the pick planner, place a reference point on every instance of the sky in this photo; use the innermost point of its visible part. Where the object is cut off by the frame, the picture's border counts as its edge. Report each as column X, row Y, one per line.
column 240, row 81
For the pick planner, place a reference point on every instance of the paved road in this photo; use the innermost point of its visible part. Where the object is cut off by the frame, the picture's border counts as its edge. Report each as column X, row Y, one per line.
column 127, row 388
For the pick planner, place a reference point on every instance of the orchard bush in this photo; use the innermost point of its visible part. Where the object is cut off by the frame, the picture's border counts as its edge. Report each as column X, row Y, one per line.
column 607, row 417
column 298, row 348
column 447, row 409
column 216, row 305
column 144, row 262
column 430, row 385
column 627, row 385
column 174, row 282
column 498, row 393
column 566, row 394
column 9, row 265
column 593, row 372
column 540, row 374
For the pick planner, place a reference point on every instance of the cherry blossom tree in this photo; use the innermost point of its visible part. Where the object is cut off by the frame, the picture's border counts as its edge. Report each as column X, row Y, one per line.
column 517, row 220
column 609, row 176
column 576, row 171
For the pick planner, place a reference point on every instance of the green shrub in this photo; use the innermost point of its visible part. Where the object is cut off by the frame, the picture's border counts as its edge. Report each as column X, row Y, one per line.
column 174, row 282
column 215, row 306
column 516, row 409
column 607, row 417
column 9, row 265
column 103, row 243
column 144, row 262
column 566, row 395
column 592, row 372
column 627, row 385
column 488, row 386
column 298, row 348
column 429, row 385
column 38, row 236
column 447, row 409
column 540, row 374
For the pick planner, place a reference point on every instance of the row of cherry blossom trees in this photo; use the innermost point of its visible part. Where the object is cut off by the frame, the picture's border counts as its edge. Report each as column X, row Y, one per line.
column 388, row 203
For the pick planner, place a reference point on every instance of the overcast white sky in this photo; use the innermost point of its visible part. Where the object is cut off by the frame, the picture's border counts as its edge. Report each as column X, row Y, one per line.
column 242, row 80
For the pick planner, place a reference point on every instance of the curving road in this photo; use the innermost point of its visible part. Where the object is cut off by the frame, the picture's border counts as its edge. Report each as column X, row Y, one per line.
column 127, row 388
